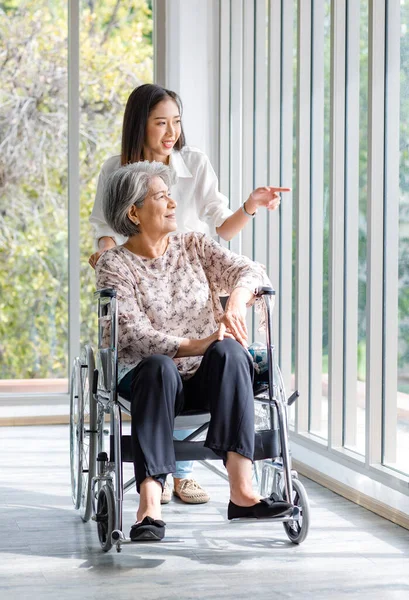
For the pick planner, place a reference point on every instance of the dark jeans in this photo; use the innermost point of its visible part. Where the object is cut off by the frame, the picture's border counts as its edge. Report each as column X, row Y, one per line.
column 222, row 385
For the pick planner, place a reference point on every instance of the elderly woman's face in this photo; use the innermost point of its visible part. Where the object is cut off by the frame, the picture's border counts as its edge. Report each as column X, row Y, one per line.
column 157, row 215
column 162, row 131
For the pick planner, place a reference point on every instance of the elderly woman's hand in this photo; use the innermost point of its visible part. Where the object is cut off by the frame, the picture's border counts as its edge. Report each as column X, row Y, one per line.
column 233, row 322
column 194, row 347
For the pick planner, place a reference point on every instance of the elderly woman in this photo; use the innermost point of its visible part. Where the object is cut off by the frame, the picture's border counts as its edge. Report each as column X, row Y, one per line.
column 177, row 350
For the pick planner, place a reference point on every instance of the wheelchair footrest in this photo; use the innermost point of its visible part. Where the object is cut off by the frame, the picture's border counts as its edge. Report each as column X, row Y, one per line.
column 295, row 516
column 266, row 445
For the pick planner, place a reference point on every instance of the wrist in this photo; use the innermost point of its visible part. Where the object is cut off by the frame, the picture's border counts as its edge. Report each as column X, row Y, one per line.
column 189, row 347
column 250, row 206
column 196, row 347
column 239, row 298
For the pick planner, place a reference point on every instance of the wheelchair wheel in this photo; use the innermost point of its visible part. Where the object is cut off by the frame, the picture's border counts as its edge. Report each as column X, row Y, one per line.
column 83, row 434
column 297, row 530
column 105, row 516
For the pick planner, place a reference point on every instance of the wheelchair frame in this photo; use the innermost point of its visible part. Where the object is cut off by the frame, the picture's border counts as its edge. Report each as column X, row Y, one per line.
column 97, row 480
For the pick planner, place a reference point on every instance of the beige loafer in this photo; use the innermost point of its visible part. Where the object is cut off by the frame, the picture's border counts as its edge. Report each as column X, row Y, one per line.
column 166, row 494
column 189, row 491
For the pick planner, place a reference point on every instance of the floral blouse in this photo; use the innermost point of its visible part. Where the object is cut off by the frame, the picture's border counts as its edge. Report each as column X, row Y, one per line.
column 175, row 296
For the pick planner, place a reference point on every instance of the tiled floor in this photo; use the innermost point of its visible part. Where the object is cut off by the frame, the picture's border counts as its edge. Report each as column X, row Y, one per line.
column 46, row 552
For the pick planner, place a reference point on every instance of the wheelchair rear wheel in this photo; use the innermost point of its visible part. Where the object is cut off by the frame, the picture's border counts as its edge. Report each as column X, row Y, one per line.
column 297, row 530
column 105, row 516
column 83, row 432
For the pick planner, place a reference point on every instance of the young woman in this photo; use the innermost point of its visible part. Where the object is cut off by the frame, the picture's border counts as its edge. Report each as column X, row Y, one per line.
column 152, row 130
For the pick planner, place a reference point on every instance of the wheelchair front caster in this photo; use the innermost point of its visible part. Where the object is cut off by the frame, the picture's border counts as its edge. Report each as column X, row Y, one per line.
column 117, row 536
column 297, row 529
column 105, row 516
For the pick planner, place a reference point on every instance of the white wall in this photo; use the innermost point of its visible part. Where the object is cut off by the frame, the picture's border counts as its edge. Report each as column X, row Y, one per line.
column 189, row 65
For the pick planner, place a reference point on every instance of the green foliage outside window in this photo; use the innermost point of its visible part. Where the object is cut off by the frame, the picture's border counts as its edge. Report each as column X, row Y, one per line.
column 115, row 57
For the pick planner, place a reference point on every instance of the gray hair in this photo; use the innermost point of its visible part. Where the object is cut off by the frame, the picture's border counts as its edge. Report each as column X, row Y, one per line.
column 127, row 186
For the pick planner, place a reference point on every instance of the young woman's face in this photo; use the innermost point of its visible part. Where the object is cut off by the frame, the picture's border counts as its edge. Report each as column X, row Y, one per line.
column 162, row 131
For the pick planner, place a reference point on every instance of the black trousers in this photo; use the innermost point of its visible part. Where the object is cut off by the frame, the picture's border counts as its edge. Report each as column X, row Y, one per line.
column 222, row 385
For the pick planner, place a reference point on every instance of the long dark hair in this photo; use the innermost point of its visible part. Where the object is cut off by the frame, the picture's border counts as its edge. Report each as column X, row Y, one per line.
column 138, row 108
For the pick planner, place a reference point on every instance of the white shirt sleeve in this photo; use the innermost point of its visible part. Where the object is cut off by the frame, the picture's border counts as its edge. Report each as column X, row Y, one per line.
column 97, row 218
column 212, row 205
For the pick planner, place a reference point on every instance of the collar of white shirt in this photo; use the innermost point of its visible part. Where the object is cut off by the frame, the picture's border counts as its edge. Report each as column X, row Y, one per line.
column 178, row 165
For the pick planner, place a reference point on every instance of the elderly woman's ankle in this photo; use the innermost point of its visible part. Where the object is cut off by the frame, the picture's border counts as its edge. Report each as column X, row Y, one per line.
column 149, row 500
column 152, row 513
column 244, row 499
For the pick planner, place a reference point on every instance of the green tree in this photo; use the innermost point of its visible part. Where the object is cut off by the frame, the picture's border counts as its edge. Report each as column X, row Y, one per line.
column 116, row 56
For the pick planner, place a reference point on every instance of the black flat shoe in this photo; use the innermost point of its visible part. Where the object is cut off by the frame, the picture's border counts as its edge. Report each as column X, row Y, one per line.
column 266, row 508
column 148, row 530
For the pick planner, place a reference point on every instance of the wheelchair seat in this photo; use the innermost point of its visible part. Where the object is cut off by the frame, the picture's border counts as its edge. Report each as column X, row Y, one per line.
column 189, row 420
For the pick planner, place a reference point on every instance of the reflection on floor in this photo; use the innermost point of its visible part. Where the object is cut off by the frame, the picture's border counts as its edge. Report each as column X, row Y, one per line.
column 46, row 552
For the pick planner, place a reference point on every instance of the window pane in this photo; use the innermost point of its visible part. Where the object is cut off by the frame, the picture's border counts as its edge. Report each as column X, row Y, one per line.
column 291, row 412
column 33, row 192
column 323, row 431
column 116, row 56
column 402, row 450
column 356, row 441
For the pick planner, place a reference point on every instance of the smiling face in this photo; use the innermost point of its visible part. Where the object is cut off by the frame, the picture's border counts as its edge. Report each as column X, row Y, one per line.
column 157, row 216
column 163, row 129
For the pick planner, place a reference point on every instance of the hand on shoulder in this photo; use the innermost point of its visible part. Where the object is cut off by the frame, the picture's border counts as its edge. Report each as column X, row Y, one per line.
column 105, row 243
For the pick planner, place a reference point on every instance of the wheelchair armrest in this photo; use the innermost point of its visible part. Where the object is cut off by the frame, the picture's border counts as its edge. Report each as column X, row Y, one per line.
column 265, row 291
column 105, row 293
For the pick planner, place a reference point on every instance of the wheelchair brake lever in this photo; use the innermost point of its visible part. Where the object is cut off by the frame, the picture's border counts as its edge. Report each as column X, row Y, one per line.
column 293, row 398
column 95, row 382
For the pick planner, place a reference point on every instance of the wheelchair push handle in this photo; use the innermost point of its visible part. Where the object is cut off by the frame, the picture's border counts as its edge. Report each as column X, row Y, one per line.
column 265, row 291
column 268, row 295
column 105, row 293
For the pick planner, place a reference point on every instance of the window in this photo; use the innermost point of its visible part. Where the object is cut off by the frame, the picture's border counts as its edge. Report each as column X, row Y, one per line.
column 396, row 334
column 33, row 181
column 115, row 52
column 116, row 57
column 337, row 80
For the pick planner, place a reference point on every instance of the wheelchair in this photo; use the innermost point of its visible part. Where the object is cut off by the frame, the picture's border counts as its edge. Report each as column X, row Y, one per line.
column 97, row 481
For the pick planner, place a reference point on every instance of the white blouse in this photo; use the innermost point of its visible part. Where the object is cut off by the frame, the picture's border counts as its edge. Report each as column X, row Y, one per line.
column 200, row 205
column 175, row 296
